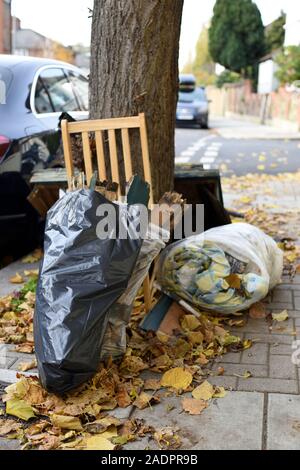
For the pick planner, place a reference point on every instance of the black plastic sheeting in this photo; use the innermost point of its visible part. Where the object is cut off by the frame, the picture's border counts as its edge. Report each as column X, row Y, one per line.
column 81, row 277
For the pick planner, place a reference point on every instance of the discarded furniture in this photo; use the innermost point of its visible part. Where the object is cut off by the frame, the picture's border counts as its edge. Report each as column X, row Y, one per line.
column 105, row 133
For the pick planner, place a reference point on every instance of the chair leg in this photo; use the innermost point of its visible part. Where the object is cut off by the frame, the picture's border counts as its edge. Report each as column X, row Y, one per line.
column 147, row 293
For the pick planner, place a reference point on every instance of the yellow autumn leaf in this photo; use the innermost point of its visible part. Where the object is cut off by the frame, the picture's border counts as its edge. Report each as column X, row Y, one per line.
column 261, row 167
column 247, row 343
column 99, row 443
column 190, row 323
column 282, row 316
column 177, row 378
column 262, row 158
column 204, row 391
column 219, row 392
column 16, row 279
column 66, row 422
column 245, row 375
column 245, row 199
column 195, row 337
column 20, row 409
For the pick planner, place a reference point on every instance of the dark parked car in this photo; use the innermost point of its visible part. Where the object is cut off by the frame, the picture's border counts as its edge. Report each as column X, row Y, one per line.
column 33, row 94
column 192, row 106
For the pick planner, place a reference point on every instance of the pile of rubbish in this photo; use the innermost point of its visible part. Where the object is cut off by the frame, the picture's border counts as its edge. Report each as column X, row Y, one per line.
column 90, row 339
column 226, row 269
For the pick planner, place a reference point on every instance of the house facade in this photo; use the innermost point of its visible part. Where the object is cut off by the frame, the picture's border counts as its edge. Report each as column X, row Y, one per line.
column 5, row 27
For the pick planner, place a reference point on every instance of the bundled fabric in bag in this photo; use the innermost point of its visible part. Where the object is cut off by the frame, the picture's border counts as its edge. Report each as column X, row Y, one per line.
column 225, row 269
column 81, row 277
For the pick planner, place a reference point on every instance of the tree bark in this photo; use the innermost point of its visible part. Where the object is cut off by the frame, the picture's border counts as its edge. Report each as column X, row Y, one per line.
column 134, row 68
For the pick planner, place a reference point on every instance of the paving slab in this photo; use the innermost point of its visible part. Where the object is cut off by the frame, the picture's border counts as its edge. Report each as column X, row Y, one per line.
column 258, row 354
column 7, row 287
column 268, row 385
column 283, row 428
column 230, row 423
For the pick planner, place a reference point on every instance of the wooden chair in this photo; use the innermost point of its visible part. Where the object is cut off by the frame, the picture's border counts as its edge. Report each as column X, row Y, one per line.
column 99, row 127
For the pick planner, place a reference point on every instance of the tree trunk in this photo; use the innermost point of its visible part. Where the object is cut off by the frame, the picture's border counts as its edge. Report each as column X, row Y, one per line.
column 134, row 68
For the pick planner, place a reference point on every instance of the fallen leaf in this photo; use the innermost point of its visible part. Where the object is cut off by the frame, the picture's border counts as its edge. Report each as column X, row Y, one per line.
column 167, row 438
column 195, row 337
column 245, row 375
column 258, row 310
column 20, row 409
column 122, row 397
column 144, row 400
column 204, row 391
column 99, row 443
column 33, row 257
column 177, row 378
column 66, row 422
column 25, row 348
column 221, row 370
column 282, row 316
column 16, row 279
column 152, row 384
column 190, row 323
column 261, row 167
column 8, row 426
column 24, row 366
column 31, row 273
column 219, row 392
column 193, row 406
column 234, row 281
column 50, row 443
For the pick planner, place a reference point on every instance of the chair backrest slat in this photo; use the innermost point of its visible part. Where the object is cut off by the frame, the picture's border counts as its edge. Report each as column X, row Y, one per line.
column 127, row 154
column 114, row 157
column 100, row 155
column 87, row 155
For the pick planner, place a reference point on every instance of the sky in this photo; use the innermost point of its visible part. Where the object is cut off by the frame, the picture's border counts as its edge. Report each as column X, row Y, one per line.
column 67, row 20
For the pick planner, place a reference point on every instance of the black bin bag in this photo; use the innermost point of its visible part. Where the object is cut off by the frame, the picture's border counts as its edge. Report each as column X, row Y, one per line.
column 81, row 276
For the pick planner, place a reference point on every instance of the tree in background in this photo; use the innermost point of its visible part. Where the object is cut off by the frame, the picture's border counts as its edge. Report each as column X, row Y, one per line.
column 202, row 66
column 289, row 65
column 227, row 77
column 134, row 68
column 275, row 33
column 236, row 35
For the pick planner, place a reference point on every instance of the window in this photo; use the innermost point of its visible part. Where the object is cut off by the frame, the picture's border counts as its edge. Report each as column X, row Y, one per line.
column 81, row 86
column 54, row 92
column 190, row 96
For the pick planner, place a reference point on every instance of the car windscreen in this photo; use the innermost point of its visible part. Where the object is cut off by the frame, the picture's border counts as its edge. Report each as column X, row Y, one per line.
column 191, row 96
column 6, row 77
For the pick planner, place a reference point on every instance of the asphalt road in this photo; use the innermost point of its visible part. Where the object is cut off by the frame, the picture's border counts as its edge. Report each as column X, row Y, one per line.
column 237, row 156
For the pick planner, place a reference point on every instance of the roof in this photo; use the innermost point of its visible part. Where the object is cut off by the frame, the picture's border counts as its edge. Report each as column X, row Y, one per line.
column 7, row 60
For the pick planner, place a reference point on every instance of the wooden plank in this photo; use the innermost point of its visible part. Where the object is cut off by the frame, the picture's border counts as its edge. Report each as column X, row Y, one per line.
column 87, row 157
column 100, row 156
column 126, row 154
column 114, row 158
column 147, row 293
column 104, row 124
column 67, row 146
column 145, row 154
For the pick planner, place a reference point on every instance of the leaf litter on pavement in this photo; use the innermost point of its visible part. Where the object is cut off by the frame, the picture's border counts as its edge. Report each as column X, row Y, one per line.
column 83, row 419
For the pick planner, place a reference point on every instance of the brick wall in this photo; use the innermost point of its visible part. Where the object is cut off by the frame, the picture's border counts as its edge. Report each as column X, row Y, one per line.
column 282, row 107
column 5, row 27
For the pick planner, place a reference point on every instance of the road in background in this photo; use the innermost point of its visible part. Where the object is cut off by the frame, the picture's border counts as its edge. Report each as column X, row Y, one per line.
column 238, row 147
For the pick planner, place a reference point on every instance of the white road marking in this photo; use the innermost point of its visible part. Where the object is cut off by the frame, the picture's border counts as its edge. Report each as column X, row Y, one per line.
column 207, row 160
column 182, row 159
column 210, row 153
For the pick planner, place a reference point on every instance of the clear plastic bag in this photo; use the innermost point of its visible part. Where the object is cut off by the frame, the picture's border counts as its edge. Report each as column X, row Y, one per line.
column 225, row 269
column 114, row 342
